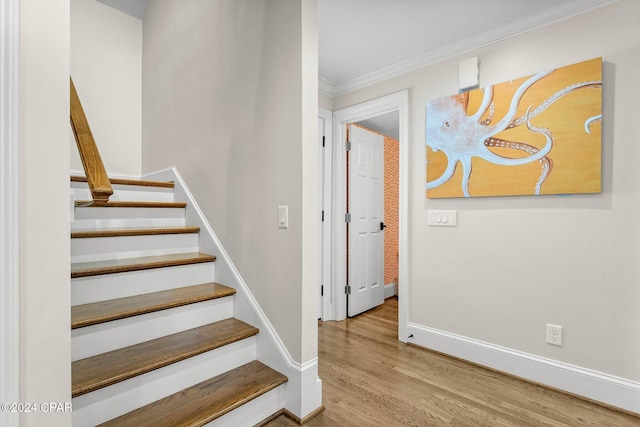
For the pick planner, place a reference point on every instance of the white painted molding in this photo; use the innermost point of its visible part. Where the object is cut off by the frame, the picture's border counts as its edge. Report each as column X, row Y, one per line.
column 9, row 216
column 398, row 101
column 327, row 299
column 304, row 388
column 389, row 290
column 609, row 389
column 493, row 34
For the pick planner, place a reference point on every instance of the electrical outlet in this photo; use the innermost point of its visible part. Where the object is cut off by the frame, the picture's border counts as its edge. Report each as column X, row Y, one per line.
column 554, row 334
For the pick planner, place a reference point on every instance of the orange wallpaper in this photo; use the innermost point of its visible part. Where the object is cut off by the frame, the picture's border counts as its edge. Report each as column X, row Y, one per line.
column 391, row 201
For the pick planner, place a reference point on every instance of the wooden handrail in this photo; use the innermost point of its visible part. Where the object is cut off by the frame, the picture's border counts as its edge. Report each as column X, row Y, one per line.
column 97, row 177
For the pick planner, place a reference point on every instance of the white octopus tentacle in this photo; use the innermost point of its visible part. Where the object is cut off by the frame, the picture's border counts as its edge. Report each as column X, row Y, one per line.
column 546, row 162
column 547, row 165
column 466, row 174
column 515, row 101
column 446, row 175
column 500, row 160
column 486, row 101
column 492, row 110
column 553, row 98
column 587, row 123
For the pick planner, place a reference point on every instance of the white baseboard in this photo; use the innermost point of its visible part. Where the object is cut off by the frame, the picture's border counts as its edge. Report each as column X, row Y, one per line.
column 605, row 388
column 389, row 290
column 303, row 391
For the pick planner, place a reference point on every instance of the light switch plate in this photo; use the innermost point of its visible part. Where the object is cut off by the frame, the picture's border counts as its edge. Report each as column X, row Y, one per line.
column 442, row 218
column 283, row 216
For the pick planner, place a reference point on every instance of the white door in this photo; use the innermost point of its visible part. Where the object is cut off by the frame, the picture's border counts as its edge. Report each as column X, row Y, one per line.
column 365, row 231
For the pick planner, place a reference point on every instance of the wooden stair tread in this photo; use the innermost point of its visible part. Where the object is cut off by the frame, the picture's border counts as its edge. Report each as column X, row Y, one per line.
column 94, row 268
column 207, row 401
column 131, row 204
column 118, row 365
column 148, row 231
column 120, row 308
column 124, row 181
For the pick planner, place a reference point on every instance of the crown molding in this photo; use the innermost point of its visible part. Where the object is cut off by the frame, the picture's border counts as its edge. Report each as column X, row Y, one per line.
column 494, row 34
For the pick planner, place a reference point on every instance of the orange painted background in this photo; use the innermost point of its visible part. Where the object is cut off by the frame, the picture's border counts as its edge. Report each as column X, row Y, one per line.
column 575, row 156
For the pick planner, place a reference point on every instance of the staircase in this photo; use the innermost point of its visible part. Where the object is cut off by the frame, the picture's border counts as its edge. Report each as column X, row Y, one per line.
column 154, row 338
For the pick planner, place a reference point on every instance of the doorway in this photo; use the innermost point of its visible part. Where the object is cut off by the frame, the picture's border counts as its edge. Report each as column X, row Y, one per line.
column 365, row 219
column 388, row 125
column 397, row 102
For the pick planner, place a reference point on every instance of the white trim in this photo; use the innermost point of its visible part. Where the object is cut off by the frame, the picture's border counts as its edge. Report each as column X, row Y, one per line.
column 304, row 388
column 609, row 389
column 493, row 34
column 398, row 101
column 9, row 215
column 389, row 290
column 327, row 299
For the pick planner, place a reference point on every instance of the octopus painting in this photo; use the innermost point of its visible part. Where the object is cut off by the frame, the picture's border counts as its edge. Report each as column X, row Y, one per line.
column 536, row 135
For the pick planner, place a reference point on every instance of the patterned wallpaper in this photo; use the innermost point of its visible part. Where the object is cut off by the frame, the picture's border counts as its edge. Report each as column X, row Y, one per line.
column 391, row 203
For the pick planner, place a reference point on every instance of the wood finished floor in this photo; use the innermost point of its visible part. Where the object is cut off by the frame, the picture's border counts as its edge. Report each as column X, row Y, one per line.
column 371, row 379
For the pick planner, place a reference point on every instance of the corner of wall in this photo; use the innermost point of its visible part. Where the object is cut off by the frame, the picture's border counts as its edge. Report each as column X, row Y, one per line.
column 304, row 388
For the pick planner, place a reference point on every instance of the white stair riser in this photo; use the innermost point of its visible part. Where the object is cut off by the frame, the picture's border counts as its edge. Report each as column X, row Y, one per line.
column 104, row 248
column 97, row 339
column 85, row 290
column 109, row 402
column 127, row 193
column 91, row 218
column 255, row 411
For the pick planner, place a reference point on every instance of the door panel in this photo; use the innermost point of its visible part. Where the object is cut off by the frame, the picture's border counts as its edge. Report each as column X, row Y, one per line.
column 366, row 240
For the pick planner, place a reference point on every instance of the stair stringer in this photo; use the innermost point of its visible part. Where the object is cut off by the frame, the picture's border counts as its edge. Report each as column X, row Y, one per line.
column 303, row 391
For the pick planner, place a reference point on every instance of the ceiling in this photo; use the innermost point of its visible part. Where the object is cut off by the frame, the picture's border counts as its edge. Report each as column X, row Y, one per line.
column 361, row 42
column 365, row 41
column 134, row 8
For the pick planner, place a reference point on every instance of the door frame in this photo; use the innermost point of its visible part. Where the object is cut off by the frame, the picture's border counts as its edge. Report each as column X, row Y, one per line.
column 325, row 190
column 398, row 101
column 9, row 214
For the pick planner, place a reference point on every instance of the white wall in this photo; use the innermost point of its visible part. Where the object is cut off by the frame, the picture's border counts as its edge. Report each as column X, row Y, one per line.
column 514, row 264
column 224, row 101
column 106, row 67
column 44, row 272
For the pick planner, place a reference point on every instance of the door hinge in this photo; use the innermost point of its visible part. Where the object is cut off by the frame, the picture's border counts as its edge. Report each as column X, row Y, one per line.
column 321, row 290
column 347, row 289
column 323, row 140
column 347, row 218
column 322, row 216
column 347, row 146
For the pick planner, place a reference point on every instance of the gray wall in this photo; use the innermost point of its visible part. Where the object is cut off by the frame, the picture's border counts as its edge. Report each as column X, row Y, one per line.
column 514, row 264
column 106, row 67
column 224, row 100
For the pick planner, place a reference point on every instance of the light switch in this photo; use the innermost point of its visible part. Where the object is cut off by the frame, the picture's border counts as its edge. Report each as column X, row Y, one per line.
column 283, row 216
column 440, row 218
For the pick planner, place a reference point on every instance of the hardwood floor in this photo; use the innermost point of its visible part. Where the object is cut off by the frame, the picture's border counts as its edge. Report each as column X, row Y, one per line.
column 371, row 379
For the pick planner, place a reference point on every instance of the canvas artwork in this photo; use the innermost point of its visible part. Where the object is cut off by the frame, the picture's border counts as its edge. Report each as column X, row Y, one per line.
column 531, row 136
